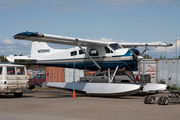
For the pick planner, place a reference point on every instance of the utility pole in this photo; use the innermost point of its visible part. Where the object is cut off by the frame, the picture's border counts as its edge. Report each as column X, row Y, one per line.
column 176, row 39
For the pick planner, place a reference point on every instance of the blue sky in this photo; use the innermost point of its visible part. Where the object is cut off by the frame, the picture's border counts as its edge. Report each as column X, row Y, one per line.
column 119, row 20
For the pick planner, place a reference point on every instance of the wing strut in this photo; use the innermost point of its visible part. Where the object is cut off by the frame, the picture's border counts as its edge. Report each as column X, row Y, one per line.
column 91, row 60
column 144, row 51
column 114, row 74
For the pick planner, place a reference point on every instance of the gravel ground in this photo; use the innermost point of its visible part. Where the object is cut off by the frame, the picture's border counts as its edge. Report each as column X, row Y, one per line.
column 58, row 104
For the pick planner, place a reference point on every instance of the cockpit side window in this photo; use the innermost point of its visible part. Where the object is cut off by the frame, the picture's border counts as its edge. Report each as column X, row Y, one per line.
column 81, row 52
column 93, row 52
column 0, row 70
column 115, row 46
column 107, row 50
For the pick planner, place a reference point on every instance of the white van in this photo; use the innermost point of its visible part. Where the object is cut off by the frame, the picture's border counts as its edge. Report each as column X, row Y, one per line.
column 13, row 79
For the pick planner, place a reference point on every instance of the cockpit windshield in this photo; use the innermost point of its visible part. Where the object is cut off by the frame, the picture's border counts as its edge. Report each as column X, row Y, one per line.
column 115, row 46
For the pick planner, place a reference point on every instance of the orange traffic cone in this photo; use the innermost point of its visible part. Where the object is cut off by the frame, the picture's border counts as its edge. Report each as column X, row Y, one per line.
column 74, row 94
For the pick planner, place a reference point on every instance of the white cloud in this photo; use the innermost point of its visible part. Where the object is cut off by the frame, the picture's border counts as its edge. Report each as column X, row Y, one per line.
column 133, row 3
column 167, row 49
column 106, row 40
column 13, row 48
column 128, row 3
column 7, row 41
column 67, row 5
column 71, row 5
column 26, row 44
column 12, row 3
column 122, row 41
column 111, row 40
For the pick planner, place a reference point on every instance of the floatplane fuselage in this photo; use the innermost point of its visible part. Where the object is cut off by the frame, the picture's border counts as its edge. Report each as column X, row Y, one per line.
column 105, row 56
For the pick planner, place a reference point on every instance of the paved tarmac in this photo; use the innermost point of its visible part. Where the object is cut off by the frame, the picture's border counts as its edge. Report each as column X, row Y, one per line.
column 59, row 105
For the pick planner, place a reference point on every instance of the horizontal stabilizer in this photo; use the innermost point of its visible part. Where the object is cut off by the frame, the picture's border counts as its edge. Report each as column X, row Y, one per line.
column 12, row 58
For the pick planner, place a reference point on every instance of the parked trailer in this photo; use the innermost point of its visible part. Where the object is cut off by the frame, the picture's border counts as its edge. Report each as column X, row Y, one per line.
column 174, row 96
column 13, row 79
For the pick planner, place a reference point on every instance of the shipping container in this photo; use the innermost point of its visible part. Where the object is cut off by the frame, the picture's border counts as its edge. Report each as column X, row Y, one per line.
column 148, row 67
column 57, row 74
column 54, row 74
column 70, row 74
column 169, row 71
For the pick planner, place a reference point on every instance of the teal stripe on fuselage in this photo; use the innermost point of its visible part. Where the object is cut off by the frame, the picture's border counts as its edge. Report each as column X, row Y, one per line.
column 90, row 65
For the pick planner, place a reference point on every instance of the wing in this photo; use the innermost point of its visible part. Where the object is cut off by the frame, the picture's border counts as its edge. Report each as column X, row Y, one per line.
column 31, row 36
column 129, row 45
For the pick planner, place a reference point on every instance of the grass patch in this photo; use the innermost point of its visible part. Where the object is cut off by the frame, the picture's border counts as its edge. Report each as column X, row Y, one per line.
column 174, row 87
column 40, row 89
column 162, row 81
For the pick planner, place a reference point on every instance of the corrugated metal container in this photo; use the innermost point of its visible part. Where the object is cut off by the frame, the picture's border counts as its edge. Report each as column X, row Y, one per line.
column 69, row 74
column 148, row 67
column 54, row 74
column 169, row 71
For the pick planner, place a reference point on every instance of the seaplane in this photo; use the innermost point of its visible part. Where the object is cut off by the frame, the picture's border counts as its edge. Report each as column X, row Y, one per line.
column 89, row 55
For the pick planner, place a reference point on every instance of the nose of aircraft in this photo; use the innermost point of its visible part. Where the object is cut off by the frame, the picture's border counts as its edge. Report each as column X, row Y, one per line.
column 139, row 57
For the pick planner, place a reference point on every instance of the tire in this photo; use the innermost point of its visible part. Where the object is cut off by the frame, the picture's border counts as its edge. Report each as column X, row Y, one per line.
column 125, row 81
column 31, row 86
column 146, row 99
column 18, row 94
column 160, row 101
column 151, row 100
column 165, row 100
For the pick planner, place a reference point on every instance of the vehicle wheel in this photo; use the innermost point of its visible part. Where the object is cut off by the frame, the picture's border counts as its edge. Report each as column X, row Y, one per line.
column 146, row 99
column 18, row 94
column 125, row 81
column 165, row 101
column 160, row 101
column 31, row 87
column 151, row 100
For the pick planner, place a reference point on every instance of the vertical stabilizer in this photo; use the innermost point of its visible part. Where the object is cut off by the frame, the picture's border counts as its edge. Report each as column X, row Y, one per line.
column 39, row 49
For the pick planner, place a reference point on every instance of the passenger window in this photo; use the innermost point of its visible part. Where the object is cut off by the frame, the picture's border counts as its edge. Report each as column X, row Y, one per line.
column 73, row 53
column 20, row 71
column 0, row 70
column 81, row 52
column 93, row 52
column 10, row 70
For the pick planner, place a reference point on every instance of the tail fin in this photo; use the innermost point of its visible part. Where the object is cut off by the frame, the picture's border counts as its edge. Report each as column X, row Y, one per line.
column 39, row 49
